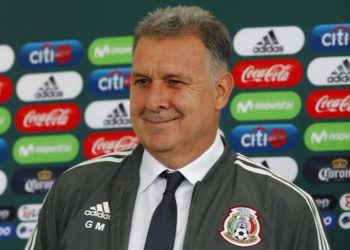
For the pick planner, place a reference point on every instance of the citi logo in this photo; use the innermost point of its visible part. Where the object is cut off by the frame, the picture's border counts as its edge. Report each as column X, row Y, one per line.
column 338, row 37
column 49, row 86
column 331, row 37
column 101, row 211
column 51, row 54
column 263, row 138
column 268, row 41
column 329, row 71
column 332, row 136
column 108, row 114
column 110, row 81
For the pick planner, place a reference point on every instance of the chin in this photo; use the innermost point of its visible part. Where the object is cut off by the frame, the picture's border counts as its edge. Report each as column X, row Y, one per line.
column 157, row 145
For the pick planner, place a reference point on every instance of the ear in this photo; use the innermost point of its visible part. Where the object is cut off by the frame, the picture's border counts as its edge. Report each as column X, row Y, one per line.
column 223, row 89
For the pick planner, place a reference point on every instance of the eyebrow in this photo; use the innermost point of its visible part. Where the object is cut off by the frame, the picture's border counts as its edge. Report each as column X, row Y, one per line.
column 165, row 76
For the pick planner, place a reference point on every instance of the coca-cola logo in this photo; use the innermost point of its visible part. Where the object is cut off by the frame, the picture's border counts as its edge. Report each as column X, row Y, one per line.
column 97, row 144
column 329, row 104
column 48, row 117
column 5, row 89
column 267, row 73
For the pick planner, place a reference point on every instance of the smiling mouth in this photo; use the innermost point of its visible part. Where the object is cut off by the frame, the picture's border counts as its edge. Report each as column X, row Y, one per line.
column 160, row 121
column 157, row 119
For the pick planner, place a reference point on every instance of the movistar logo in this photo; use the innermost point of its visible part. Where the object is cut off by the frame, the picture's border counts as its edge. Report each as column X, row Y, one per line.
column 261, row 106
column 112, row 50
column 332, row 136
column 45, row 149
column 265, row 106
column 101, row 52
column 324, row 136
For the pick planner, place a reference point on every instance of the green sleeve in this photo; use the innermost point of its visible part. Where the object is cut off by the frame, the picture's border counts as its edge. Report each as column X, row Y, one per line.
column 309, row 232
column 46, row 234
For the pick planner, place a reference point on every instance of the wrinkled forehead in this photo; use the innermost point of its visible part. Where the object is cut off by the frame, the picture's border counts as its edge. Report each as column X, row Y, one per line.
column 169, row 54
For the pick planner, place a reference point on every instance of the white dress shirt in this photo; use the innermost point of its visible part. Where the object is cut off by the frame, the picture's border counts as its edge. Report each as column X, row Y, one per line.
column 150, row 193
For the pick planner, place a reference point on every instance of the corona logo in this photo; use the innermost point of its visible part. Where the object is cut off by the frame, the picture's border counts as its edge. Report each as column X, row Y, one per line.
column 339, row 163
column 44, row 175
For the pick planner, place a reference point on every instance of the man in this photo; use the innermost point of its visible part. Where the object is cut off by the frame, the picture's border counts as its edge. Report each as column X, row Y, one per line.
column 218, row 200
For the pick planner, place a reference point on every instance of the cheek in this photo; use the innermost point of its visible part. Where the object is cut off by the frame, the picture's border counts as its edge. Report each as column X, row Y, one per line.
column 135, row 102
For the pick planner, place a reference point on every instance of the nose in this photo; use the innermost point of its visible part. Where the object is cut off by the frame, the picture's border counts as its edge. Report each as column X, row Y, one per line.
column 157, row 97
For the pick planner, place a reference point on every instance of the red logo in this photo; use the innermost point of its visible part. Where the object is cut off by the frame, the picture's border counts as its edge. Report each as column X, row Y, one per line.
column 267, row 73
column 5, row 89
column 64, row 54
column 48, row 117
column 329, row 104
column 97, row 144
column 278, row 137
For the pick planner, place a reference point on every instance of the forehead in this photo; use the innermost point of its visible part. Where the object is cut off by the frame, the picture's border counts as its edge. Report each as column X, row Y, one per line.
column 184, row 52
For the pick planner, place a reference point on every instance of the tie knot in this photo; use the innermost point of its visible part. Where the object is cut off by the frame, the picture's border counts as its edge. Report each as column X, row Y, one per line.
column 173, row 181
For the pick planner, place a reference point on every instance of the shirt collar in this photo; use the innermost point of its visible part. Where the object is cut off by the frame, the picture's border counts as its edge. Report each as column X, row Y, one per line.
column 195, row 171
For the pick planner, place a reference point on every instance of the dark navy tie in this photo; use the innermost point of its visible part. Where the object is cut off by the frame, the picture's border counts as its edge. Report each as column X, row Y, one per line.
column 162, row 230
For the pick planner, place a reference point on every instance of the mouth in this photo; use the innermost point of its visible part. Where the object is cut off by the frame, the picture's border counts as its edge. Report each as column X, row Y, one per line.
column 156, row 119
column 161, row 120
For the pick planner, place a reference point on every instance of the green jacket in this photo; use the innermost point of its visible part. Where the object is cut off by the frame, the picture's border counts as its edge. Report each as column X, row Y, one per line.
column 238, row 204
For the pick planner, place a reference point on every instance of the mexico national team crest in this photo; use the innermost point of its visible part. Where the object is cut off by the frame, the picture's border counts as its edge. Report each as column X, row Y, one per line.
column 241, row 227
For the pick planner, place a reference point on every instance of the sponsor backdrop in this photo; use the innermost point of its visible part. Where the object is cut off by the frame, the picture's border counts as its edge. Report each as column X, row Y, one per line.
column 64, row 97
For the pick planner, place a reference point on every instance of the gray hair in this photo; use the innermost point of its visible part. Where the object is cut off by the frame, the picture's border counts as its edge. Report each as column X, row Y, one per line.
column 190, row 20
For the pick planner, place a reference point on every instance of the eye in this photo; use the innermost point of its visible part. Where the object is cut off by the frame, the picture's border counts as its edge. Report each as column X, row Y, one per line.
column 141, row 81
column 174, row 81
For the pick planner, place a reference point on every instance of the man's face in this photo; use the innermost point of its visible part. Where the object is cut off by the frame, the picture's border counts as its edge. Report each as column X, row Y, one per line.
column 173, row 103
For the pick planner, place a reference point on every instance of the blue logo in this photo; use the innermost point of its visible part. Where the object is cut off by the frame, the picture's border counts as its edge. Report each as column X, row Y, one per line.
column 7, row 231
column 329, row 219
column 35, row 181
column 263, row 138
column 331, row 37
column 110, row 82
column 3, row 150
column 51, row 54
